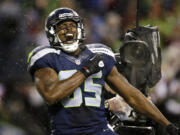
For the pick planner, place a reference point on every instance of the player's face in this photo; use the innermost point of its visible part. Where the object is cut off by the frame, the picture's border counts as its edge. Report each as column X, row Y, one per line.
column 67, row 32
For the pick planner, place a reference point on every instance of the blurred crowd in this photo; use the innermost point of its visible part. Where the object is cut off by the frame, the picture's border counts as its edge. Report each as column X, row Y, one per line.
column 22, row 110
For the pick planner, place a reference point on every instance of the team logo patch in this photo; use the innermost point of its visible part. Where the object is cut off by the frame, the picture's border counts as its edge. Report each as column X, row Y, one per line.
column 65, row 15
column 101, row 64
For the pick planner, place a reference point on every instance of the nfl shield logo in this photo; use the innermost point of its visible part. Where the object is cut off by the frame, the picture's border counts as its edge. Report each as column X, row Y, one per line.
column 78, row 62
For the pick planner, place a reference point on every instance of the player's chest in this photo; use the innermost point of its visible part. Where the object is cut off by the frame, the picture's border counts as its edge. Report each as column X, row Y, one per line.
column 68, row 62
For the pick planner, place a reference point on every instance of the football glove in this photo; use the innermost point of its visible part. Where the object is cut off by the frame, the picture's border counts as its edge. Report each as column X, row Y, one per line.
column 94, row 65
column 172, row 130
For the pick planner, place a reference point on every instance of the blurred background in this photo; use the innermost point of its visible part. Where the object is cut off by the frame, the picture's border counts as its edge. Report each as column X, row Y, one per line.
column 22, row 110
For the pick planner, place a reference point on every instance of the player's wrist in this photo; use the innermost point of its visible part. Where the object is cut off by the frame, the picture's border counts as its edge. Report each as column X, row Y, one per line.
column 85, row 71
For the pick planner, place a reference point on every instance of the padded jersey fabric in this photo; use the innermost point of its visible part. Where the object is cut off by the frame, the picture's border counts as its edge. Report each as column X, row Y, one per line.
column 83, row 112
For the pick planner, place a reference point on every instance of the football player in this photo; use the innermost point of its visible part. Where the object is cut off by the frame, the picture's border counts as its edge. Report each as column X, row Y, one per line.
column 71, row 76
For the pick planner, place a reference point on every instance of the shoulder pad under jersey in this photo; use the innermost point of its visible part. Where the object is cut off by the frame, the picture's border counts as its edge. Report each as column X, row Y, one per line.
column 100, row 48
column 40, row 52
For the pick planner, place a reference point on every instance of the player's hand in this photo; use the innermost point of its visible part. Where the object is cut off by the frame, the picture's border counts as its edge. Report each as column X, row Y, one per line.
column 172, row 130
column 94, row 65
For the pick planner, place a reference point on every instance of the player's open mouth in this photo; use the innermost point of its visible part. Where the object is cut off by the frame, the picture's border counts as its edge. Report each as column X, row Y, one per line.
column 69, row 38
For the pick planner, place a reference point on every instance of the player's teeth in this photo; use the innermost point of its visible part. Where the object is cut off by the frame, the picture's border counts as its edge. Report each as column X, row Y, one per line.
column 69, row 34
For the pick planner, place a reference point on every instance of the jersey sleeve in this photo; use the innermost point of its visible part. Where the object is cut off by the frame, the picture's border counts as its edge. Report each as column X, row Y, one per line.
column 109, row 62
column 41, row 57
column 109, row 59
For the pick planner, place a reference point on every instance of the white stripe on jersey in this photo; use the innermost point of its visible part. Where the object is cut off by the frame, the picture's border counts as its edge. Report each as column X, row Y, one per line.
column 102, row 50
column 42, row 53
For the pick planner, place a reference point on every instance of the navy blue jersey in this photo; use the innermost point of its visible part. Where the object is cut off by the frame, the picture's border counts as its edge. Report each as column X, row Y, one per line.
column 83, row 112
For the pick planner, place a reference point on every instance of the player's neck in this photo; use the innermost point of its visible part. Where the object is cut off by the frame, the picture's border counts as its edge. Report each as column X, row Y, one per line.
column 76, row 53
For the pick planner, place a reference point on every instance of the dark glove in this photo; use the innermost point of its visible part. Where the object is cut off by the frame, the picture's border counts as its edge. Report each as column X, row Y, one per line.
column 94, row 65
column 172, row 130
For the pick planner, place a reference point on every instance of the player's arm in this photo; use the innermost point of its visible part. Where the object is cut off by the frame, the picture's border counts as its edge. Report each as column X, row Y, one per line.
column 52, row 89
column 135, row 98
column 117, row 103
column 109, row 89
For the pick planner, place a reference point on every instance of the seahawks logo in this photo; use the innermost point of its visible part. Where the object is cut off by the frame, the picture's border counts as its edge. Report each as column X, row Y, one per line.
column 65, row 15
column 101, row 64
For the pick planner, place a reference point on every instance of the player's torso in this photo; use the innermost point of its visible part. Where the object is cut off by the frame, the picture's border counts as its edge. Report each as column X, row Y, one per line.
column 83, row 111
column 85, row 107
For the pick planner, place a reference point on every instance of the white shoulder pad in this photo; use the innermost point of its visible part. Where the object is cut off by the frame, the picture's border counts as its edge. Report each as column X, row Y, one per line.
column 38, row 53
column 100, row 48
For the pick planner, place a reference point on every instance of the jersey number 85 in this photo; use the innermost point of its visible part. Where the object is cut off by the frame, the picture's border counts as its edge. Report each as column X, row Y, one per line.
column 89, row 86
